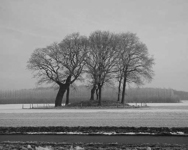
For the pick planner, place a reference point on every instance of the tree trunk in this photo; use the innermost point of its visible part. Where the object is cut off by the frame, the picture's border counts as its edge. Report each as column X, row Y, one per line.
column 68, row 89
column 67, row 96
column 119, row 89
column 100, row 91
column 93, row 93
column 123, row 93
column 97, row 93
column 60, row 94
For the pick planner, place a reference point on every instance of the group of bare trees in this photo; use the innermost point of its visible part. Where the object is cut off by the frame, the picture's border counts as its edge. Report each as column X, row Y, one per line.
column 103, row 56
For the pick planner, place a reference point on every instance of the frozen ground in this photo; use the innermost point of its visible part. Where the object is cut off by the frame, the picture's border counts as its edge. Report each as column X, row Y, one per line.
column 157, row 115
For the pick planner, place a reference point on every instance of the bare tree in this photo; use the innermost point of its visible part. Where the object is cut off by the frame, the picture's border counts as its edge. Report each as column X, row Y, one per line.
column 46, row 63
column 60, row 63
column 119, row 78
column 101, row 59
column 73, row 51
column 135, row 64
column 92, row 75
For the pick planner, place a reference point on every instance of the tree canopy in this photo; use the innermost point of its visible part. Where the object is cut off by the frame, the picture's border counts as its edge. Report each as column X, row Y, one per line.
column 134, row 63
column 103, row 57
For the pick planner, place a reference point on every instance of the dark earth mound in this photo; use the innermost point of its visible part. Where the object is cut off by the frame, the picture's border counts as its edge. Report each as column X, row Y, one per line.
column 94, row 104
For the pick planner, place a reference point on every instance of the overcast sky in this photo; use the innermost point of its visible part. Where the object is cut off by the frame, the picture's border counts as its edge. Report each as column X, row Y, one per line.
column 29, row 24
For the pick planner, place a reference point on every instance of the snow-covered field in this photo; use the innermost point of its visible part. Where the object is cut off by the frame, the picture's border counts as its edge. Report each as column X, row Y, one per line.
column 157, row 115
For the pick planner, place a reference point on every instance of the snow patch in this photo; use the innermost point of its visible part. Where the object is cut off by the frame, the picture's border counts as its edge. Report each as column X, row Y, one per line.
column 97, row 133
column 177, row 133
column 75, row 133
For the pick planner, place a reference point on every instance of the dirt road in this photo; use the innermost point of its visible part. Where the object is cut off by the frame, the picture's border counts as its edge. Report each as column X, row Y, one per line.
column 97, row 139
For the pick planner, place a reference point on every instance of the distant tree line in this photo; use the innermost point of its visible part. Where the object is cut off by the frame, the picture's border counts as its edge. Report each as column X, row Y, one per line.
column 181, row 94
column 102, row 58
column 47, row 95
